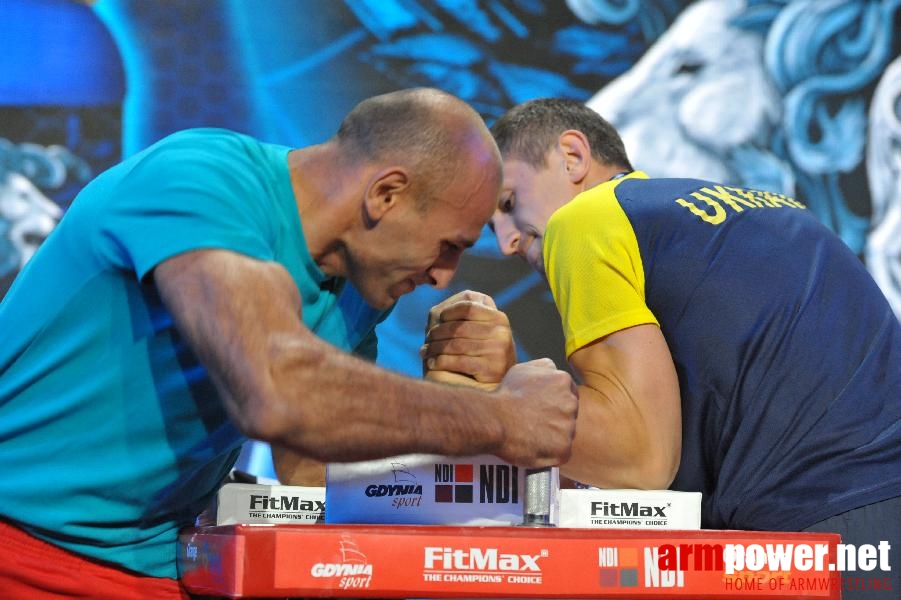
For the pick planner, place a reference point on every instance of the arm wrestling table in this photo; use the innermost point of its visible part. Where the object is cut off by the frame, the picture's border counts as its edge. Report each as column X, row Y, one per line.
column 413, row 561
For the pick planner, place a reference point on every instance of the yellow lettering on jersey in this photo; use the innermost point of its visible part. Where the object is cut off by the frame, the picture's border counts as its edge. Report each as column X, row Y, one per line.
column 782, row 200
column 733, row 201
column 719, row 213
column 735, row 198
column 750, row 196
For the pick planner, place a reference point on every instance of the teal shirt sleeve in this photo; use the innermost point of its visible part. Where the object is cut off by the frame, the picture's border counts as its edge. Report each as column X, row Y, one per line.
column 180, row 200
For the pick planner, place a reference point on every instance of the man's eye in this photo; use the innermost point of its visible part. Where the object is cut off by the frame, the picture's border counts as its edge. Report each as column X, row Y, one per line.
column 507, row 203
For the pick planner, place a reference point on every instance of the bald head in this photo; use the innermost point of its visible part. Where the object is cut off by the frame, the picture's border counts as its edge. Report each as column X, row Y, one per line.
column 432, row 133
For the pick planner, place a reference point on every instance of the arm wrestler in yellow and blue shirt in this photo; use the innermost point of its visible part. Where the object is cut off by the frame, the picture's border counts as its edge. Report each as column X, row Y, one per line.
column 787, row 354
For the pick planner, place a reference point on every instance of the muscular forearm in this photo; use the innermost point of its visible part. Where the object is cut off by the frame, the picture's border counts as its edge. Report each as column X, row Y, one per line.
column 280, row 383
column 347, row 409
column 629, row 430
column 615, row 447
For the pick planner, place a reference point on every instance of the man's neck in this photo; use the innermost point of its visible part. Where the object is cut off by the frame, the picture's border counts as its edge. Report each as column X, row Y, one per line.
column 323, row 198
column 600, row 173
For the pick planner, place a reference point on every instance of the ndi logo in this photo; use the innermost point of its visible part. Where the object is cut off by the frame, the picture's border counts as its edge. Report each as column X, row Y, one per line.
column 498, row 484
column 453, row 483
column 618, row 567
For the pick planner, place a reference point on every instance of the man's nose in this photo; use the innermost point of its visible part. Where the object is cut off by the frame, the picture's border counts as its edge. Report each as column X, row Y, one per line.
column 508, row 238
column 441, row 276
column 443, row 270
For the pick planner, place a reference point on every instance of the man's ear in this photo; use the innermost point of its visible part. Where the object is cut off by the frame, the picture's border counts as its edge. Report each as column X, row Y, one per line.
column 576, row 152
column 384, row 191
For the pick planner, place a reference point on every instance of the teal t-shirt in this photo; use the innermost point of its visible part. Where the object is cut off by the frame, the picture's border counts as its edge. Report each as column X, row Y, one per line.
column 112, row 436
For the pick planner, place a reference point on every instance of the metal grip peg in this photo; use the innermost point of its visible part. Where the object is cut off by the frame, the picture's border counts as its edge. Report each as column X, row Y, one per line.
column 540, row 493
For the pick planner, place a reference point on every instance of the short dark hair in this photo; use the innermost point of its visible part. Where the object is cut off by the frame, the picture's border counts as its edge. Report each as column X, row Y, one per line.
column 527, row 131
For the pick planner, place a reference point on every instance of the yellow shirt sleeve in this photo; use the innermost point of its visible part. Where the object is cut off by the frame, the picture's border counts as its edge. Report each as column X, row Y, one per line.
column 594, row 267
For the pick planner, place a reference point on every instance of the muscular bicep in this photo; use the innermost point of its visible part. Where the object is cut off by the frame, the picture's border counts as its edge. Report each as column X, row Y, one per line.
column 629, row 432
column 230, row 308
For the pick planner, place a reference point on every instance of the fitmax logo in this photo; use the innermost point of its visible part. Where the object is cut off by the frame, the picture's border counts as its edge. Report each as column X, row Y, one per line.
column 626, row 509
column 480, row 559
column 286, row 503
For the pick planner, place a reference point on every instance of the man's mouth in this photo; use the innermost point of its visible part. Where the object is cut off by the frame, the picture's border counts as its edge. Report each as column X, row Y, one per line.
column 403, row 287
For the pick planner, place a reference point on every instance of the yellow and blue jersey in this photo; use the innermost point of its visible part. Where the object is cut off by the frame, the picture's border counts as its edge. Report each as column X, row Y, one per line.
column 787, row 353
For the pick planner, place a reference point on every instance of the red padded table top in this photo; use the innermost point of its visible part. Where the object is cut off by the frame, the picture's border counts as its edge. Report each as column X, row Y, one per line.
column 407, row 561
